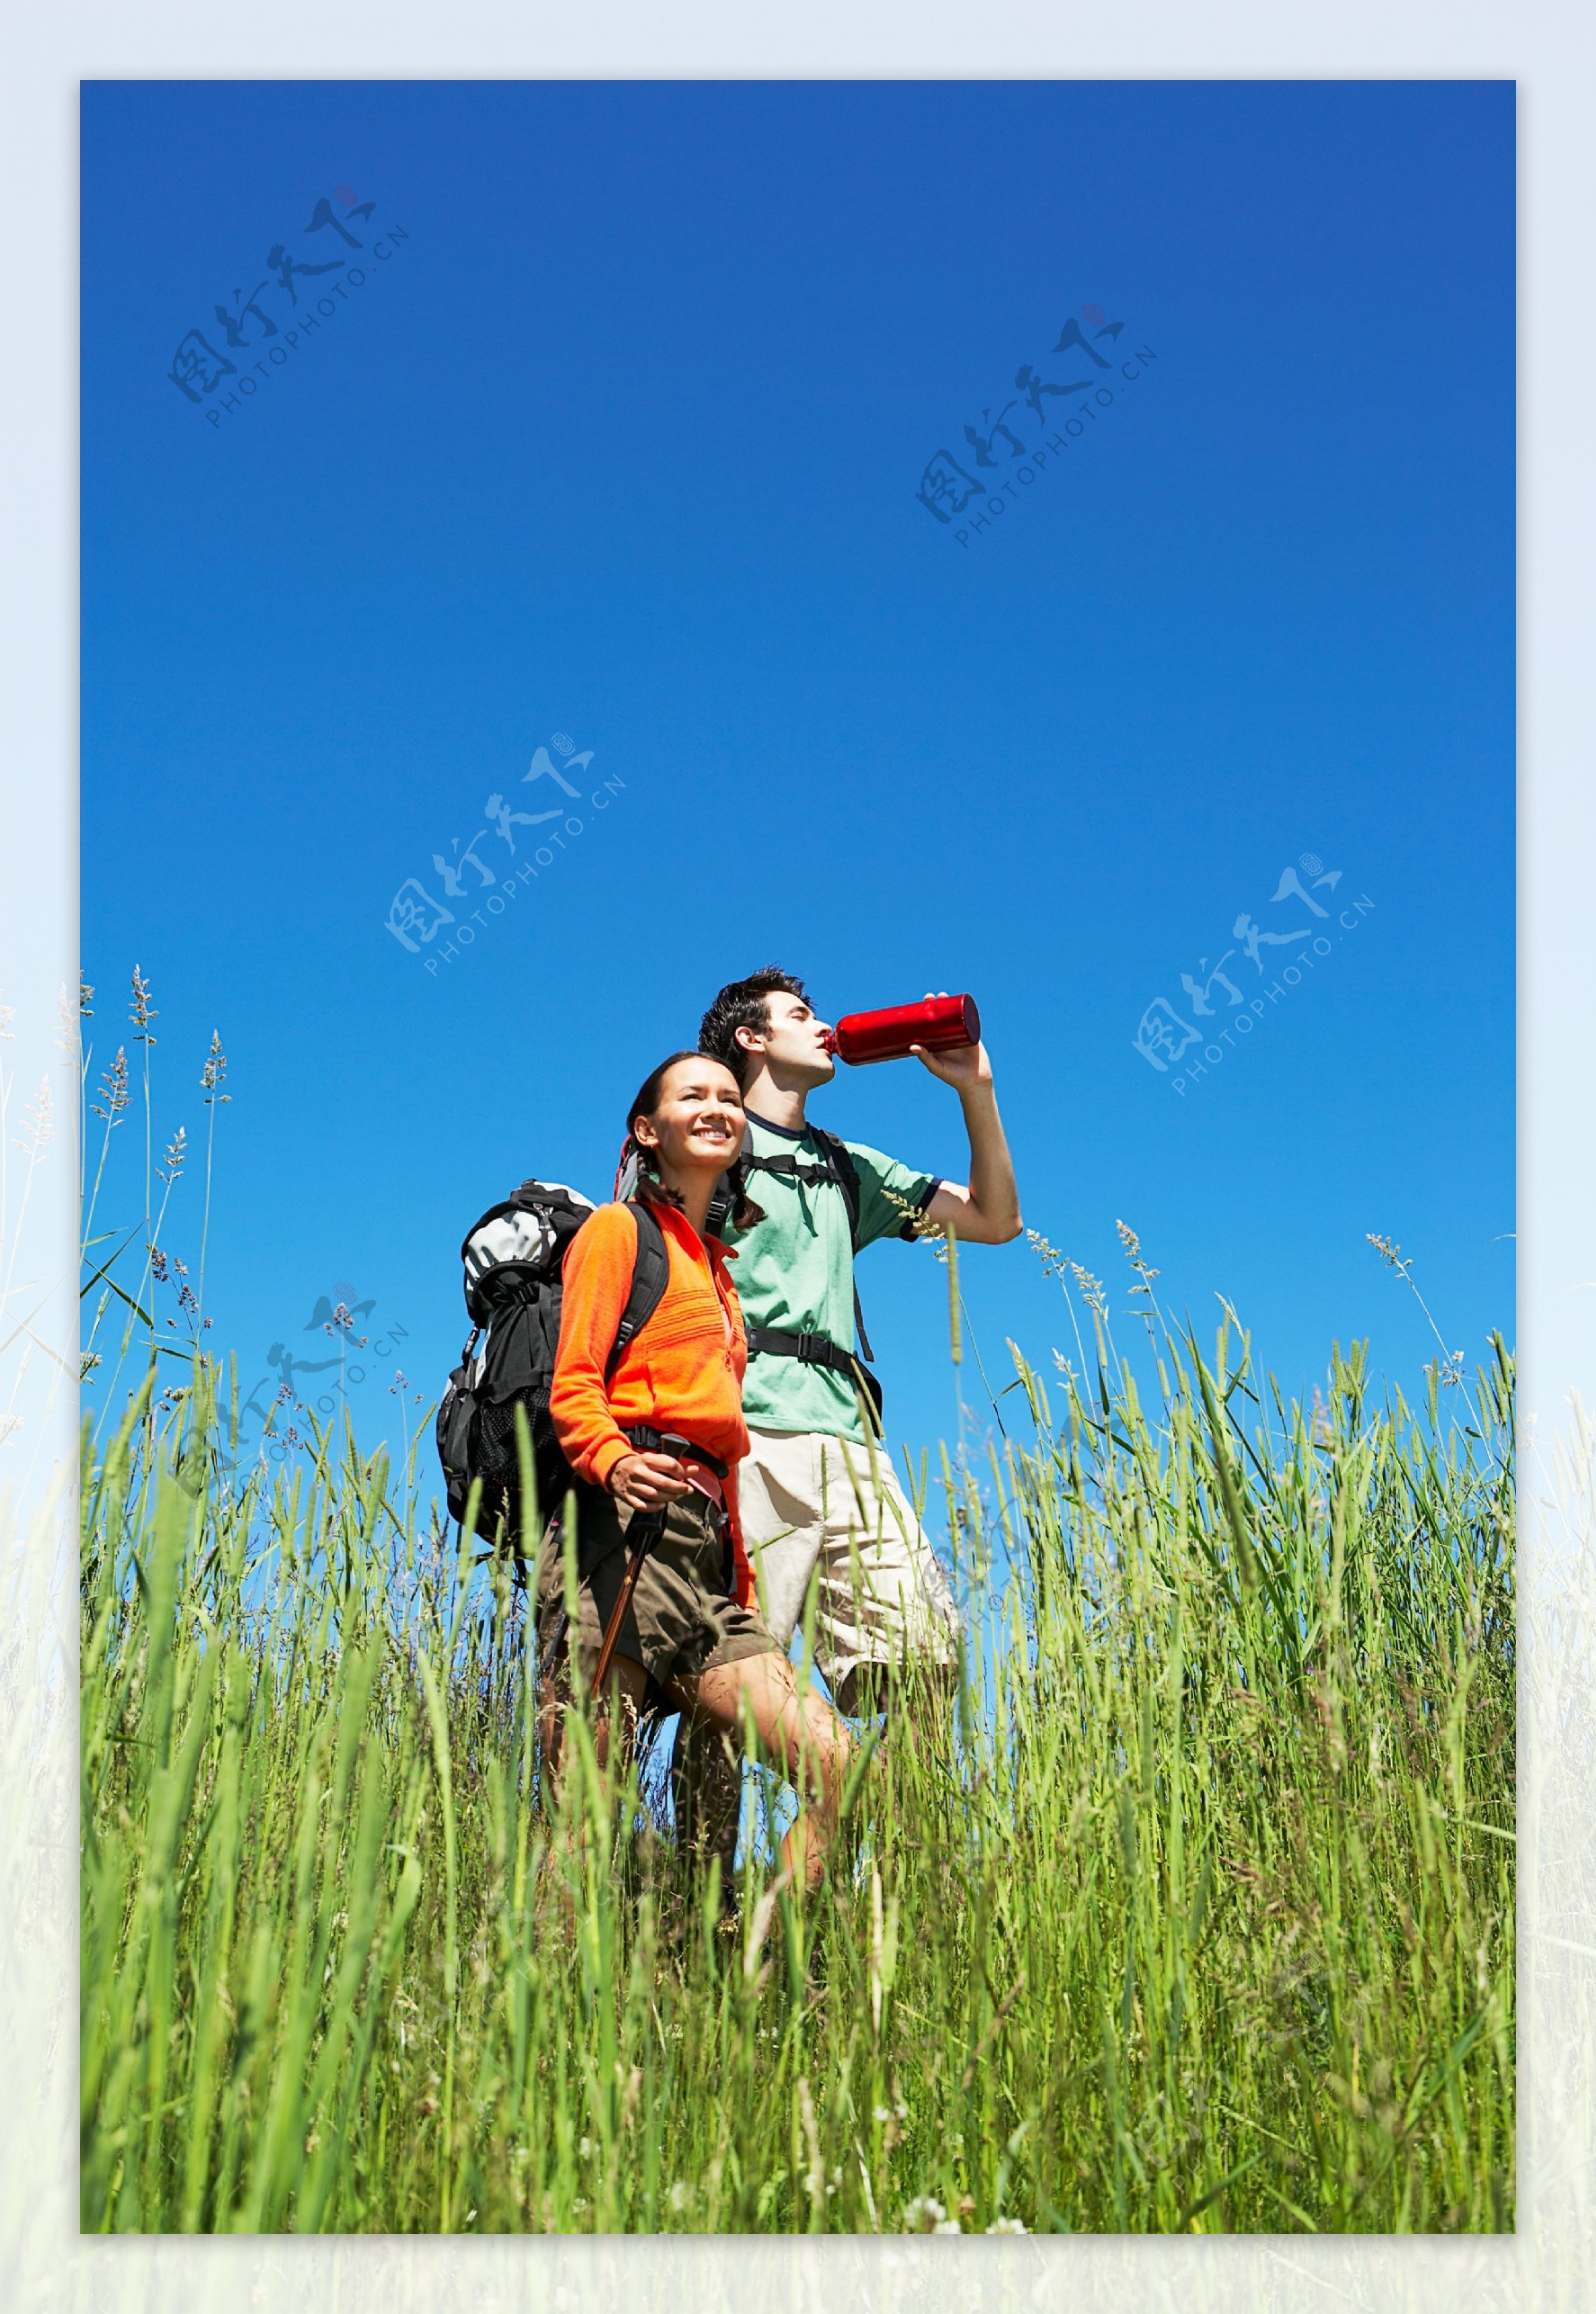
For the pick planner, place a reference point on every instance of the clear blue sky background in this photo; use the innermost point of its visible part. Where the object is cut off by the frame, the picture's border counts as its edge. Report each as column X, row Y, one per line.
column 622, row 442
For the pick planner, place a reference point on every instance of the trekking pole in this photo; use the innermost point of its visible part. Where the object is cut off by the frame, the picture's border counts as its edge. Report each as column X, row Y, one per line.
column 645, row 1527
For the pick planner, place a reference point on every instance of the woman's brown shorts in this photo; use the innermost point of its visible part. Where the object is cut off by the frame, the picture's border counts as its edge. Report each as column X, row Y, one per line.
column 681, row 1620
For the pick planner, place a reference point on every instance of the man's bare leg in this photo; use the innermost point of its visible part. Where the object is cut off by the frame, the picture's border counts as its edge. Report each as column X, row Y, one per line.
column 919, row 1701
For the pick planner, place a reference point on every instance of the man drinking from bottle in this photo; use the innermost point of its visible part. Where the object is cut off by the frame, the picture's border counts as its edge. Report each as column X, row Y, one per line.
column 821, row 1505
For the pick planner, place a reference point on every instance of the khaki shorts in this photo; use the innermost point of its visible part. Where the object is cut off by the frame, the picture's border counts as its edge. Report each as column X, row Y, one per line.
column 682, row 1621
column 823, row 1512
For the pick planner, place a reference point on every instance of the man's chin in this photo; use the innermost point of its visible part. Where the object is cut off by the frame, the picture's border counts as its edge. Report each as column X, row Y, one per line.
column 803, row 1075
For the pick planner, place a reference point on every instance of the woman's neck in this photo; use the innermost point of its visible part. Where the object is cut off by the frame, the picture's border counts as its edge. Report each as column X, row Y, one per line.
column 693, row 1191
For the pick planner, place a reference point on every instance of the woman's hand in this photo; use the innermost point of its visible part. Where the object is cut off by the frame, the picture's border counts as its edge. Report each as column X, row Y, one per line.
column 647, row 1481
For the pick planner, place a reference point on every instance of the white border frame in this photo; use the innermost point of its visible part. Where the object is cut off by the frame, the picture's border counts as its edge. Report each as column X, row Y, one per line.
column 1551, row 52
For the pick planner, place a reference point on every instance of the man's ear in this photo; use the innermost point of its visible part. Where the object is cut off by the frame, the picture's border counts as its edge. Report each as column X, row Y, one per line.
column 749, row 1039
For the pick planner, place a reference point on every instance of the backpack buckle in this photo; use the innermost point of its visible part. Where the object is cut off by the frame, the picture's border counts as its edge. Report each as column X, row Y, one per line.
column 812, row 1349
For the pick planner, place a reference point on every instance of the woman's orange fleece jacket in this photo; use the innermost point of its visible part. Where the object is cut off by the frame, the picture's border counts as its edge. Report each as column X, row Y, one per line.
column 681, row 1372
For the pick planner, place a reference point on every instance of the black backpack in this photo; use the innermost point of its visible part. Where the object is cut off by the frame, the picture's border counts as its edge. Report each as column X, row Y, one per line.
column 512, row 1262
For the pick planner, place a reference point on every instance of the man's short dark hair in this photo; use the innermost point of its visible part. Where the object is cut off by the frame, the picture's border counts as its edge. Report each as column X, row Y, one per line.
column 742, row 1004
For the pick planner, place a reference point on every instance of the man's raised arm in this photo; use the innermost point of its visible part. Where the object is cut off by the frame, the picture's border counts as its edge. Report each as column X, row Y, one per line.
column 988, row 1212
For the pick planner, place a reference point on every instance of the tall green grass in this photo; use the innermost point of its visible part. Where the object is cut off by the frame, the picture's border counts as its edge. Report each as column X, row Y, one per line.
column 1201, row 1918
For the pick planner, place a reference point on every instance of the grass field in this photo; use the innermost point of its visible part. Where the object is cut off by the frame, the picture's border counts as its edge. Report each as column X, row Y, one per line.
column 1202, row 1921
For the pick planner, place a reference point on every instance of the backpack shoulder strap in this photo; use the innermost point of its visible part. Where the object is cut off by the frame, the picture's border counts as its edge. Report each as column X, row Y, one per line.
column 651, row 1272
column 841, row 1169
column 844, row 1172
column 840, row 1158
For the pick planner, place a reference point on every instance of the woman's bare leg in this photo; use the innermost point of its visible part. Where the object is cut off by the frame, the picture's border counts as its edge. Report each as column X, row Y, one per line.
column 802, row 1733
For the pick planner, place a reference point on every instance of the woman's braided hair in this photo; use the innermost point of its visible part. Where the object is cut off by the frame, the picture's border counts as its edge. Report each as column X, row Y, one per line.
column 650, row 1189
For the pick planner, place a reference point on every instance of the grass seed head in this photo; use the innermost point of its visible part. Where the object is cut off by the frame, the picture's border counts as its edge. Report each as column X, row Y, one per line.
column 114, row 1088
column 140, row 1011
column 216, row 1071
column 1091, row 1286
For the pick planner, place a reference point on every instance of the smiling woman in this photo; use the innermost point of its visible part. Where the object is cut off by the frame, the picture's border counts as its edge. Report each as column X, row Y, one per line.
column 666, row 1607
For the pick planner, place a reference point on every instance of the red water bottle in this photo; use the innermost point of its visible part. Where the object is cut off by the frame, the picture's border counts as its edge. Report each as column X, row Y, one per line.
column 940, row 1024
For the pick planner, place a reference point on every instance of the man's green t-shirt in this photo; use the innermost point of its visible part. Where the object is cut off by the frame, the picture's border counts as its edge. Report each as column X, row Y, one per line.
column 794, row 1272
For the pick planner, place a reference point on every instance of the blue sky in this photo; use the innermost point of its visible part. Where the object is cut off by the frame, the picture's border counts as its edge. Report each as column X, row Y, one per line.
column 620, row 443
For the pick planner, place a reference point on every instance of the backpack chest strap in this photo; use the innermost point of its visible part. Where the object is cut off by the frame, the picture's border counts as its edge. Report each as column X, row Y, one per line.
column 792, row 1168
